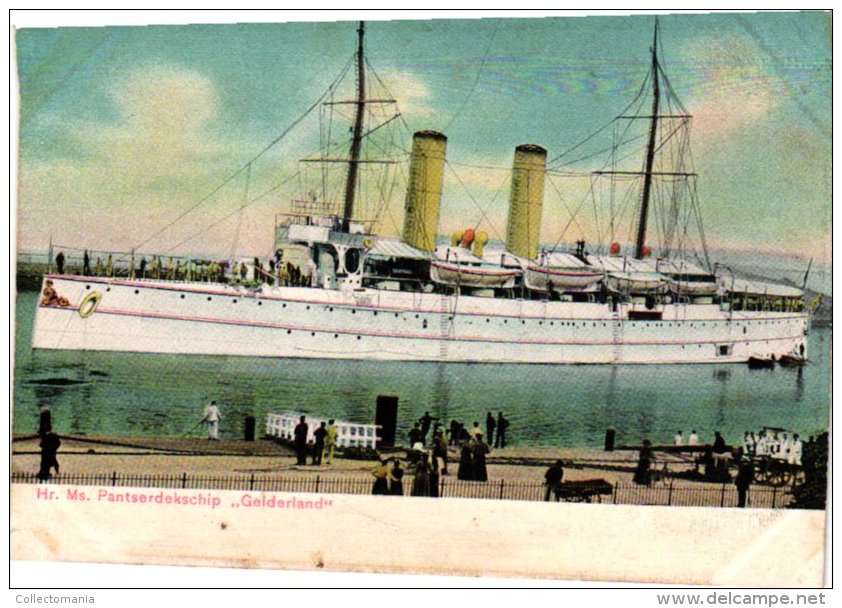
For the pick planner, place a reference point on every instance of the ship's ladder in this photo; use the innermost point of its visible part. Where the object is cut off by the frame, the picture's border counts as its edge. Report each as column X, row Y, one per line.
column 617, row 335
column 447, row 305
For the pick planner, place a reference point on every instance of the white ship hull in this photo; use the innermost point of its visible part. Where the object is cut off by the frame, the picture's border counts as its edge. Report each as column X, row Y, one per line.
column 214, row 319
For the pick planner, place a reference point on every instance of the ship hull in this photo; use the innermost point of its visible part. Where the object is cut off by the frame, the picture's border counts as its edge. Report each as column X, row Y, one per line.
column 214, row 319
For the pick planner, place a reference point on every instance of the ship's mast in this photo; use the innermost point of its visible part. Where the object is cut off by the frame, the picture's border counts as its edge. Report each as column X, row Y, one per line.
column 650, row 152
column 354, row 158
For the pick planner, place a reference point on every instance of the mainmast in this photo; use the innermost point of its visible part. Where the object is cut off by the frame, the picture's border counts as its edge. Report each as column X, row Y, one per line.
column 650, row 152
column 354, row 158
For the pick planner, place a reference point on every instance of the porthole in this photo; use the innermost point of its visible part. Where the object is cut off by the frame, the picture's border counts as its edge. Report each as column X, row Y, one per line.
column 396, row 315
column 137, row 291
column 289, row 331
column 182, row 296
column 353, row 311
column 312, row 333
column 260, row 303
column 234, row 301
column 209, row 298
column 284, row 305
column 308, row 307
column 416, row 316
column 107, row 289
column 87, row 286
column 358, row 337
column 335, row 335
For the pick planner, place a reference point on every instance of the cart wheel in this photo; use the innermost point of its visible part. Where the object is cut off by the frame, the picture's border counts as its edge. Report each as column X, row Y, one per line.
column 779, row 477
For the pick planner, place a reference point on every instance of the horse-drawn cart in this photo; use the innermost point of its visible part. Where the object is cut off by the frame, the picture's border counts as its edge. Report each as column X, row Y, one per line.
column 585, row 490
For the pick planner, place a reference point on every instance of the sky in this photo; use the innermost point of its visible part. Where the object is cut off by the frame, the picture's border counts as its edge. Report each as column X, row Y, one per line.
column 127, row 132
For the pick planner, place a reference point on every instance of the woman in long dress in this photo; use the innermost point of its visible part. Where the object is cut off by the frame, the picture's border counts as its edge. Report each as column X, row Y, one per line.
column 465, row 471
column 381, row 478
column 421, row 482
column 396, row 479
column 478, row 452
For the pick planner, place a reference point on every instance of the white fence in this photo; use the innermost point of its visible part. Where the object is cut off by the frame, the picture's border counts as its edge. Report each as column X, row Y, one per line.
column 351, row 434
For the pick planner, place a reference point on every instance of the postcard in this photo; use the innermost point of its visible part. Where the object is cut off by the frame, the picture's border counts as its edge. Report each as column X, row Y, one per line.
column 520, row 297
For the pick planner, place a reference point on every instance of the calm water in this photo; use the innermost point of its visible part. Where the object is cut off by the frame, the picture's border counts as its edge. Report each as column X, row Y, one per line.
column 571, row 406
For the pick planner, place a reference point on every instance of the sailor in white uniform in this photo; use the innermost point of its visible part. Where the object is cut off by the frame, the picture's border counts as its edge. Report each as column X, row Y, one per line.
column 212, row 417
column 679, row 439
column 694, row 439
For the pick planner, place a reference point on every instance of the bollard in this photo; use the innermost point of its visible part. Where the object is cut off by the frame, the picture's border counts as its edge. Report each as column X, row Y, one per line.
column 249, row 428
column 610, row 433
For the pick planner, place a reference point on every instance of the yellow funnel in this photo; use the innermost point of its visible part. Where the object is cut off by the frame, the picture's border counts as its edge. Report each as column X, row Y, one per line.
column 526, row 201
column 423, row 196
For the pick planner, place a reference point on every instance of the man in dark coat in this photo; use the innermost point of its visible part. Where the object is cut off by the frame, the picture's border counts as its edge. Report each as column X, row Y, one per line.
column 50, row 443
column 300, row 439
column 60, row 262
column 86, row 264
column 490, row 425
column 745, row 475
column 502, row 425
column 426, row 420
column 414, row 435
column 319, row 435
column 553, row 478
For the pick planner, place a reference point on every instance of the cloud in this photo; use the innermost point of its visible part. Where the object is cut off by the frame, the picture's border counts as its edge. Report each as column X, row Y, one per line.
column 411, row 93
column 165, row 113
column 733, row 90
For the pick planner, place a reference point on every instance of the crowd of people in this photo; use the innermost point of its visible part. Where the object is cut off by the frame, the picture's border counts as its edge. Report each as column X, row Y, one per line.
column 274, row 271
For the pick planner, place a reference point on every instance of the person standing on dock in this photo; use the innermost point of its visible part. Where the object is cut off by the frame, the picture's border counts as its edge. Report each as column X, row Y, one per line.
column 212, row 417
column 60, row 262
column 319, row 444
column 330, row 441
column 643, row 475
column 679, row 439
column 694, row 438
column 86, row 263
column 50, row 443
column 426, row 420
column 490, row 425
column 502, row 425
column 478, row 451
column 553, row 478
column 745, row 475
column 300, row 440
column 415, row 437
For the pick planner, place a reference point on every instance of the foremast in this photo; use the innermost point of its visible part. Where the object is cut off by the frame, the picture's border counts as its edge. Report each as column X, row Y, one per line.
column 650, row 152
column 356, row 142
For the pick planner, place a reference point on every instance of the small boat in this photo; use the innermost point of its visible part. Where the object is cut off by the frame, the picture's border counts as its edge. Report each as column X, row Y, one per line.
column 761, row 363
column 792, row 361
column 560, row 272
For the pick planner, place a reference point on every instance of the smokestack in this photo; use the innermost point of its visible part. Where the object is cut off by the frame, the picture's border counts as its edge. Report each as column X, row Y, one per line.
column 526, row 201
column 423, row 196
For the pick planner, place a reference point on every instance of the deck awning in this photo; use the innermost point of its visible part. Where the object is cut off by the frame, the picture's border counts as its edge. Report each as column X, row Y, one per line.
column 394, row 248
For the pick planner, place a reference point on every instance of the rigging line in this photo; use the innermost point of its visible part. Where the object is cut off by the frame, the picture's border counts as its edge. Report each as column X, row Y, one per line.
column 225, row 217
column 241, row 169
column 493, row 198
column 473, row 200
column 476, row 80
column 388, row 93
column 566, row 207
column 240, row 216
column 606, row 125
column 491, row 167
column 573, row 215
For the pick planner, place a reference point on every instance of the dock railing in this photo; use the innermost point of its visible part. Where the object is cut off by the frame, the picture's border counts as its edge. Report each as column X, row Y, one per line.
column 662, row 494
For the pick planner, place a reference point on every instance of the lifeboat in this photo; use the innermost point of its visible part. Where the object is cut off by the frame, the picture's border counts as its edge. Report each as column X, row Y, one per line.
column 635, row 282
column 473, row 275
